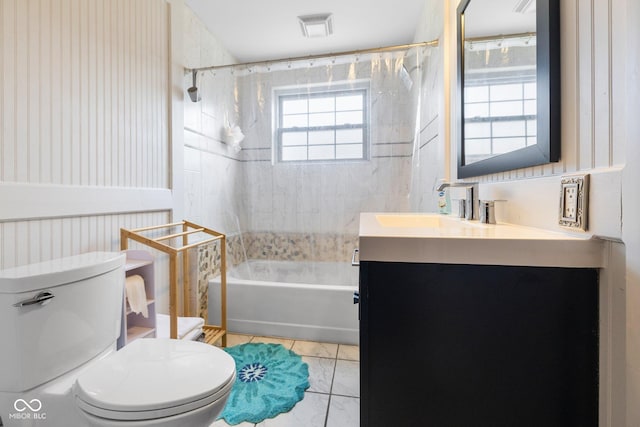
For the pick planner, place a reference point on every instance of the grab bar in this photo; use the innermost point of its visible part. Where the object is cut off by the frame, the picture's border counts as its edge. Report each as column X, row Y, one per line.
column 355, row 263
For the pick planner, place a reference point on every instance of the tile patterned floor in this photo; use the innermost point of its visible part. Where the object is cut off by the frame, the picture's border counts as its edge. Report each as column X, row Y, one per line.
column 333, row 397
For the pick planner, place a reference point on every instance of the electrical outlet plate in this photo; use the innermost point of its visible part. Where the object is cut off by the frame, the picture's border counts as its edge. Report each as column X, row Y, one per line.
column 574, row 199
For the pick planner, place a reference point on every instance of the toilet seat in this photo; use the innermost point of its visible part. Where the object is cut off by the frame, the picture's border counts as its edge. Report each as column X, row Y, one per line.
column 155, row 378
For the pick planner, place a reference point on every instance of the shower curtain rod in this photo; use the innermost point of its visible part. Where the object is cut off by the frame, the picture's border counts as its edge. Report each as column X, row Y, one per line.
column 310, row 57
column 500, row 37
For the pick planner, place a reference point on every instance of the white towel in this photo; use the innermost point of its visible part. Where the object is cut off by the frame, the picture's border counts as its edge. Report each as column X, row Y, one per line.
column 136, row 295
column 186, row 325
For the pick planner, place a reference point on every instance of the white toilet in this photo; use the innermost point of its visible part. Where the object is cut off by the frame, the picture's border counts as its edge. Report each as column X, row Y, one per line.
column 59, row 322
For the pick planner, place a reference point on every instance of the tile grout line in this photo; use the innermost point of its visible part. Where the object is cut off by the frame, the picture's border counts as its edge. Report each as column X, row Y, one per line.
column 335, row 366
column 326, row 415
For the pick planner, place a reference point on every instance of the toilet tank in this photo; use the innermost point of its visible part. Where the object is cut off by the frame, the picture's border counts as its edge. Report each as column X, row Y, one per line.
column 77, row 317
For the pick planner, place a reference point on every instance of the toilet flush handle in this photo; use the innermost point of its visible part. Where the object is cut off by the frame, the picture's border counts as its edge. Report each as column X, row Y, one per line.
column 42, row 298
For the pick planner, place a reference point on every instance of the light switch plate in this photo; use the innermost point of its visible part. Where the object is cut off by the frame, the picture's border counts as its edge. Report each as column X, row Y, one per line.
column 574, row 201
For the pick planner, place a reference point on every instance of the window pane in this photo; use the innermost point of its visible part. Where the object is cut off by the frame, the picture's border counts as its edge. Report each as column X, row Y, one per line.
column 346, row 103
column 506, row 108
column 349, row 151
column 530, row 107
column 349, row 117
column 321, row 119
column 477, row 146
column 317, row 105
column 294, row 106
column 321, row 152
column 510, row 128
column 294, row 121
column 344, row 136
column 507, row 144
column 476, row 94
column 294, row 138
column 321, row 137
column 476, row 110
column 477, row 130
column 530, row 91
column 294, row 153
column 532, row 127
column 505, row 92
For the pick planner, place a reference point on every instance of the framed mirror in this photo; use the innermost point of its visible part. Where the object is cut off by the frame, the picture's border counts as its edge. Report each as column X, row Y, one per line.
column 508, row 85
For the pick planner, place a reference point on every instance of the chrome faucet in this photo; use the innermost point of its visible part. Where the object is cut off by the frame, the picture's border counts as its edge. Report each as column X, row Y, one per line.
column 468, row 209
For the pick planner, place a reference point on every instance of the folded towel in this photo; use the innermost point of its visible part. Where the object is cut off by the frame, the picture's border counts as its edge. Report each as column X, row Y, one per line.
column 136, row 295
column 185, row 325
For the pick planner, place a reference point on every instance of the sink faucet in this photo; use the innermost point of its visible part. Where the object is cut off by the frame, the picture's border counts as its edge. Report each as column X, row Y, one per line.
column 470, row 204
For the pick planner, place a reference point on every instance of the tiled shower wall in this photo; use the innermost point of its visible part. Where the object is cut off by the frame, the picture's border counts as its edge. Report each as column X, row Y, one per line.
column 431, row 146
column 211, row 168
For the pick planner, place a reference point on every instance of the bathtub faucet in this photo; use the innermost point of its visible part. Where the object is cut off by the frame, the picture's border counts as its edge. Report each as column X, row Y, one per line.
column 469, row 204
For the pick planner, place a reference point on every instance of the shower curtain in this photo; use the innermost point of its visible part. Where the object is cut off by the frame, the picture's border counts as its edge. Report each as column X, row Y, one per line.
column 317, row 141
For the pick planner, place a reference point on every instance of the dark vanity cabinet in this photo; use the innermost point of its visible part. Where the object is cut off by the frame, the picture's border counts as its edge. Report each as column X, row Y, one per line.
column 478, row 346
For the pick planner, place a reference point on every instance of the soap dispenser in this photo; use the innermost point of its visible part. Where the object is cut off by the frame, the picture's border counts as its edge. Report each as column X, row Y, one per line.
column 444, row 201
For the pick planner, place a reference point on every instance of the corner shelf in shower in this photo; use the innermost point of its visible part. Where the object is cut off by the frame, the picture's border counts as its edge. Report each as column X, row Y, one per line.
column 203, row 235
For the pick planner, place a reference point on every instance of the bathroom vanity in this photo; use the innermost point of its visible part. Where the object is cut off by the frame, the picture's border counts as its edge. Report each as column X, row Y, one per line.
column 466, row 324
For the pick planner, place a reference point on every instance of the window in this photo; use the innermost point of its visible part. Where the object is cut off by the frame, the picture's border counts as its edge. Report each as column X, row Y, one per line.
column 324, row 125
column 499, row 118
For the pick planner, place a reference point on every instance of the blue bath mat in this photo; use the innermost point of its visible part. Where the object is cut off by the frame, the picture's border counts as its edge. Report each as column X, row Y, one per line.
column 270, row 380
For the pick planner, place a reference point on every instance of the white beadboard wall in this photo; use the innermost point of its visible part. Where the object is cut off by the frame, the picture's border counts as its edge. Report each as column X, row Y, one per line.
column 84, row 125
column 84, row 92
column 590, row 140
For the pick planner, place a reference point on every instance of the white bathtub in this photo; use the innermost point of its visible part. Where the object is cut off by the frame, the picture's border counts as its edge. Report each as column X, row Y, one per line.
column 302, row 300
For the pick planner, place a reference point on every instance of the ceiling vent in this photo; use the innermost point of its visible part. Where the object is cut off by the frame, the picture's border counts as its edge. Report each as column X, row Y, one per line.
column 525, row 6
column 316, row 25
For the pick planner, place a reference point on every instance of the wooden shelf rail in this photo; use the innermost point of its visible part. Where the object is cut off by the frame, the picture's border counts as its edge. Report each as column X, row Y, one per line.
column 212, row 332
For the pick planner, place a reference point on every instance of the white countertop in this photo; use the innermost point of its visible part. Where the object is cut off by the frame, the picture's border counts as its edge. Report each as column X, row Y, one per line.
column 433, row 238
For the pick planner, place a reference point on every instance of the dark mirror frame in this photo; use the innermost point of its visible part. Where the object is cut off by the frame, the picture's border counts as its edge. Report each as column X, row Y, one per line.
column 547, row 148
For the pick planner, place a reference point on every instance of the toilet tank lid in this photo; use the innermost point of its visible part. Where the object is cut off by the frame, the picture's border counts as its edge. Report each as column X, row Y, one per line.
column 48, row 274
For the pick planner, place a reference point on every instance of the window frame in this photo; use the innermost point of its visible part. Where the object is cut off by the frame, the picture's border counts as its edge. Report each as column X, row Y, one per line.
column 318, row 91
column 492, row 119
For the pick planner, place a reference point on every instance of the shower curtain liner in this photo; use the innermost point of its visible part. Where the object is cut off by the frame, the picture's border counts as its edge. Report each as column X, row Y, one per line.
column 319, row 140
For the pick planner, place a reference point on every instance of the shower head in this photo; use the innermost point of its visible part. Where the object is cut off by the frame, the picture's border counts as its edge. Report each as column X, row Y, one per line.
column 193, row 94
column 193, row 90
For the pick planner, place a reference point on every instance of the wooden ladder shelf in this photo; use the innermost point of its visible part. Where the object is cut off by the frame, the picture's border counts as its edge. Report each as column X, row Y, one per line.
column 163, row 243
